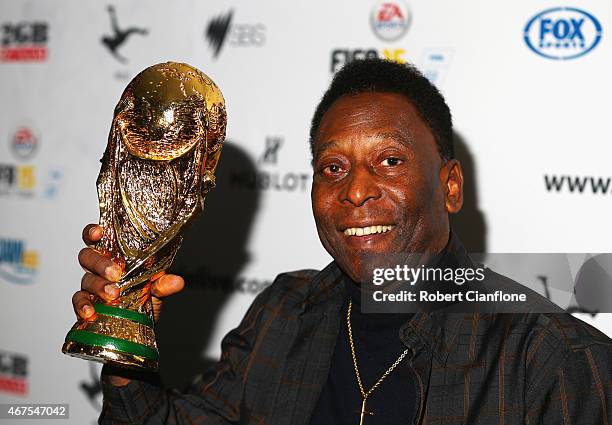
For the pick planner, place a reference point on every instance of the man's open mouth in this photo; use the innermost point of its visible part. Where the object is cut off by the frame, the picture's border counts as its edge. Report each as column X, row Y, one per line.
column 368, row 230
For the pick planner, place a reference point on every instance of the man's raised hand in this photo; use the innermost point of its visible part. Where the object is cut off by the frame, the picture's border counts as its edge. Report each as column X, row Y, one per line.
column 101, row 275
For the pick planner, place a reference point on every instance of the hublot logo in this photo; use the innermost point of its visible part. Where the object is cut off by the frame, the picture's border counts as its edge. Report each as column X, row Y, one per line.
column 267, row 177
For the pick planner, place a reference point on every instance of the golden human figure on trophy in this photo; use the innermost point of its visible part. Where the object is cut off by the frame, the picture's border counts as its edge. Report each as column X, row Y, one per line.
column 159, row 164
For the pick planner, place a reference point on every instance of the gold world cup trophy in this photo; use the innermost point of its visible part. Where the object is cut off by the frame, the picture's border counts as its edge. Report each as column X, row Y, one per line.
column 159, row 164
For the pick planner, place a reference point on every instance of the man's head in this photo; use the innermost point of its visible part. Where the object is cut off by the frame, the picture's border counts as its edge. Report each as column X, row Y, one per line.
column 376, row 75
column 384, row 177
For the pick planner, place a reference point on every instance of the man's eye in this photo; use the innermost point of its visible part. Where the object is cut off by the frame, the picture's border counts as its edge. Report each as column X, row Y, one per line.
column 391, row 161
column 331, row 170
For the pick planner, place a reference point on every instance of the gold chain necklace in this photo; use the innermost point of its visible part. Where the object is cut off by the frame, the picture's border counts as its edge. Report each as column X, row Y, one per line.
column 364, row 394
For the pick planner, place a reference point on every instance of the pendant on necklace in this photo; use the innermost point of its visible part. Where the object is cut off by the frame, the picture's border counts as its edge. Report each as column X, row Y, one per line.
column 363, row 411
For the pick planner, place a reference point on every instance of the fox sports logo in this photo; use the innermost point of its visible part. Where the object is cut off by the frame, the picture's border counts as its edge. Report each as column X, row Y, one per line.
column 562, row 33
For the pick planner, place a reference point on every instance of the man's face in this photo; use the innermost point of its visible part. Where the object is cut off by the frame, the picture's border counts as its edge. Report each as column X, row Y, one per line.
column 380, row 185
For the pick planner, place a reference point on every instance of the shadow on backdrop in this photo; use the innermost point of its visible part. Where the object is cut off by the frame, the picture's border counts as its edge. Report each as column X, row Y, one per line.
column 213, row 253
column 469, row 223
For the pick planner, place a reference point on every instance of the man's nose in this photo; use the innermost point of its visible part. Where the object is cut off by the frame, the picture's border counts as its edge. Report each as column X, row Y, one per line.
column 360, row 187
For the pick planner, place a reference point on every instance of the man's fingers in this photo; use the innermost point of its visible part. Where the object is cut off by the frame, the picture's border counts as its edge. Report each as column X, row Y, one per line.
column 166, row 285
column 98, row 286
column 82, row 305
column 95, row 262
column 92, row 234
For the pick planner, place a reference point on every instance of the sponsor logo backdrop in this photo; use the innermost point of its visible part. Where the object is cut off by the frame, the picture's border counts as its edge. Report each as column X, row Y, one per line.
column 528, row 85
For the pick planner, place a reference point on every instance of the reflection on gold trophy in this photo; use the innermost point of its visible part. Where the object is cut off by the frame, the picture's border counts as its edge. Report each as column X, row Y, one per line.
column 159, row 164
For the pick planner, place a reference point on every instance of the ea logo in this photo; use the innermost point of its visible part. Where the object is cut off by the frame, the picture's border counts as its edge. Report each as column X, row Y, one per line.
column 24, row 143
column 562, row 33
column 390, row 19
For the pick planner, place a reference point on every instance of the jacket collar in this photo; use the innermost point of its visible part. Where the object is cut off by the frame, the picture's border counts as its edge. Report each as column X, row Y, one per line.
column 440, row 329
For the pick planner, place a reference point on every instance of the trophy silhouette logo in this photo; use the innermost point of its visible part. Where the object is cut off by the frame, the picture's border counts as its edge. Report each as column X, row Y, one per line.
column 165, row 140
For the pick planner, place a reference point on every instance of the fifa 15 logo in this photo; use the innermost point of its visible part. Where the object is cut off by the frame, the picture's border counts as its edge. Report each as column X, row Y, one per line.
column 340, row 57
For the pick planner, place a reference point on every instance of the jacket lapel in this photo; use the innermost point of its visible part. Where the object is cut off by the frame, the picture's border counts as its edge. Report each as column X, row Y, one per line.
column 309, row 352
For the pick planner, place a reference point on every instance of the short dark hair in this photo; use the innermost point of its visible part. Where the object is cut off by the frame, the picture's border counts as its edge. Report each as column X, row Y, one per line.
column 378, row 75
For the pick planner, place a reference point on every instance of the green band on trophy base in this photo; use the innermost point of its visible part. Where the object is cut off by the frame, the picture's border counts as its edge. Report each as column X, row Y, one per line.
column 116, row 344
column 123, row 313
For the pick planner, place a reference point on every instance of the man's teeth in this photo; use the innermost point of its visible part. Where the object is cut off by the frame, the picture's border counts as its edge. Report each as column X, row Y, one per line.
column 370, row 230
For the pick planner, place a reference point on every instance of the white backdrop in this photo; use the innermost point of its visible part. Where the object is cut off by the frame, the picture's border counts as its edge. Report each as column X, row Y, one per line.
column 521, row 120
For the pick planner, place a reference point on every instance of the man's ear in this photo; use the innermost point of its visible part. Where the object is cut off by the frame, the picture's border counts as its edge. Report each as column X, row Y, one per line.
column 451, row 177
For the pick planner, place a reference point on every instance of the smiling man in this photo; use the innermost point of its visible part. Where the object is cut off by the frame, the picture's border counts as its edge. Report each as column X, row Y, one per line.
column 377, row 163
column 385, row 182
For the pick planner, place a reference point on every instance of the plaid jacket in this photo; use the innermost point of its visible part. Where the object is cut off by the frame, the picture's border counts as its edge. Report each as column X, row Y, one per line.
column 500, row 369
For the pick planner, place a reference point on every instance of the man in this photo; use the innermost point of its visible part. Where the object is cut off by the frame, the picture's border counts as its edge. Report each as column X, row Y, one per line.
column 384, row 182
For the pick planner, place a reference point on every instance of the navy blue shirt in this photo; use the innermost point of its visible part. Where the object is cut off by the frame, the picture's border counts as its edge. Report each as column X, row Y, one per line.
column 377, row 347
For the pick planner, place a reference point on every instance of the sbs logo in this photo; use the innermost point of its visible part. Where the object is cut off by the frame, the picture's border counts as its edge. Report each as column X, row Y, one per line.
column 562, row 33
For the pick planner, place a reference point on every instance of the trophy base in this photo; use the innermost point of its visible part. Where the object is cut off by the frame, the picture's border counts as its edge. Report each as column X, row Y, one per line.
column 119, row 336
column 109, row 356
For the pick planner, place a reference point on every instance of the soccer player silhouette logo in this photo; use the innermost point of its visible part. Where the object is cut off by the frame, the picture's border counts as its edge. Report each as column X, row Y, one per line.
column 93, row 388
column 113, row 42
